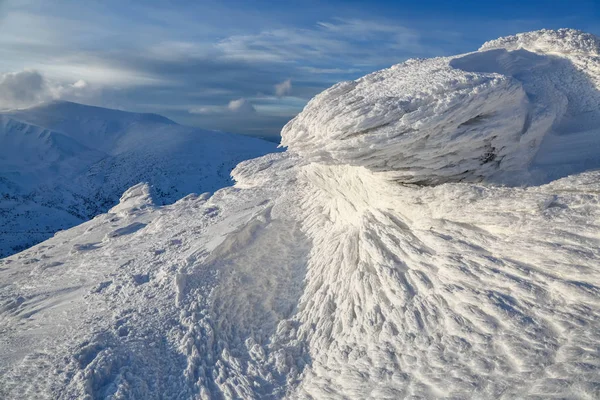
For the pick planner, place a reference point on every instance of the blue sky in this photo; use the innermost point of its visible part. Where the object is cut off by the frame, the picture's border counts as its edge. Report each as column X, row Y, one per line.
column 240, row 66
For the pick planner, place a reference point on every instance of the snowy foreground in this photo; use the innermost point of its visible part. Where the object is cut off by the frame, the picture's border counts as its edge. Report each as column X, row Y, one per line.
column 432, row 231
column 63, row 163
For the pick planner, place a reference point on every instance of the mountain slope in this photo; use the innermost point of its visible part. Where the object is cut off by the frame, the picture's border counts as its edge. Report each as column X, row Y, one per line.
column 62, row 163
column 326, row 272
column 95, row 127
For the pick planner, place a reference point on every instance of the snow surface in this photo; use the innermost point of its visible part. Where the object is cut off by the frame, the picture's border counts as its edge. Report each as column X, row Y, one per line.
column 477, row 116
column 62, row 163
column 327, row 273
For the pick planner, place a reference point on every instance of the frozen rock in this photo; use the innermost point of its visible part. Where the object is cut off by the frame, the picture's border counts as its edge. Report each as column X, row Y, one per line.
column 473, row 117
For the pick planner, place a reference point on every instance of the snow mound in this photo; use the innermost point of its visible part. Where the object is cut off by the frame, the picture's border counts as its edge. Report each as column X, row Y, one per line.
column 473, row 117
column 135, row 198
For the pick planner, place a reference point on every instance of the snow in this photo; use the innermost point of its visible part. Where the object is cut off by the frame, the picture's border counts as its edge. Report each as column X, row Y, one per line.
column 357, row 264
column 468, row 118
column 63, row 163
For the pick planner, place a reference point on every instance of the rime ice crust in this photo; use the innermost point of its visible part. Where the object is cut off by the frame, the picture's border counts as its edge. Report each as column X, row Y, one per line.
column 422, row 120
column 472, row 117
column 564, row 41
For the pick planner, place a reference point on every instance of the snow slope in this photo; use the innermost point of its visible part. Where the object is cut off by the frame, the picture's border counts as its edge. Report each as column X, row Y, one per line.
column 327, row 273
column 62, row 163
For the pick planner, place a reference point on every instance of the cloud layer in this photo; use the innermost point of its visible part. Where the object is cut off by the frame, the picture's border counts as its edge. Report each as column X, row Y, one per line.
column 27, row 88
column 195, row 61
column 22, row 89
column 242, row 106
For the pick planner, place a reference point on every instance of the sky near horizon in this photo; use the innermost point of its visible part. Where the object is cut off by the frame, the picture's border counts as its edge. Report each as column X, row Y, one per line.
column 239, row 66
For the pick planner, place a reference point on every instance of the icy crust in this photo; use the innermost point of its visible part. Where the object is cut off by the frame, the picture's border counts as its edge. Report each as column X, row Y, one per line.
column 422, row 120
column 563, row 41
column 479, row 116
column 264, row 170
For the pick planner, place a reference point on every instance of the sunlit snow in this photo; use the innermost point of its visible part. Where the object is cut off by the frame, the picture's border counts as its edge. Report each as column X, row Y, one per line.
column 432, row 231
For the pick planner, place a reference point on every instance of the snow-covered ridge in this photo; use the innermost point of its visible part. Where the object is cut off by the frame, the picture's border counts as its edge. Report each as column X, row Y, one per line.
column 95, row 127
column 320, row 276
column 478, row 116
column 62, row 163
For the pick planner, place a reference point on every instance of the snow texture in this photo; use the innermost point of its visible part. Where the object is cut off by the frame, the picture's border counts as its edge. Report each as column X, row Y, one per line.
column 63, row 163
column 325, row 272
column 478, row 116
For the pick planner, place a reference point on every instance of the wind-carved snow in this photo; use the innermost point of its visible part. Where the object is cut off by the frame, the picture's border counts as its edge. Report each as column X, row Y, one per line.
column 480, row 116
column 327, row 273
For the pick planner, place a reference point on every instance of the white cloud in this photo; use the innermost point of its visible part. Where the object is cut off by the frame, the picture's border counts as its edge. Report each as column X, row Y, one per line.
column 72, row 91
column 281, row 46
column 241, row 106
column 313, row 70
column 23, row 89
column 80, row 84
column 349, row 41
column 283, row 88
column 99, row 73
column 27, row 88
column 363, row 27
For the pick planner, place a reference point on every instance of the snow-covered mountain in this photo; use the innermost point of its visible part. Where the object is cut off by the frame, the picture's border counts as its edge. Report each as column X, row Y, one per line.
column 432, row 231
column 62, row 163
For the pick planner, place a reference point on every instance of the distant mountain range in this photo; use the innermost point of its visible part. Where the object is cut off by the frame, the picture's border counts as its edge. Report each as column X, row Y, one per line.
column 62, row 163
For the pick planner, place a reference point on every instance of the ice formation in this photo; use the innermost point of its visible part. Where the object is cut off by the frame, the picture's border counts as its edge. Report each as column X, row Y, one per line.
column 376, row 258
column 478, row 116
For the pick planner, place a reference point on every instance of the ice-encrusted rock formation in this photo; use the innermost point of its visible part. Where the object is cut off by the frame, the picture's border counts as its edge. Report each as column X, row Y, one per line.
column 481, row 115
column 320, row 276
column 569, row 42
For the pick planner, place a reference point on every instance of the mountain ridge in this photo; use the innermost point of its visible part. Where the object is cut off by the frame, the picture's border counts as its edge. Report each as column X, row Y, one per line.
column 79, row 159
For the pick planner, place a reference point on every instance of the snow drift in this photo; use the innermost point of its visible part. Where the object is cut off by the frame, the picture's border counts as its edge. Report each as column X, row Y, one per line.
column 377, row 258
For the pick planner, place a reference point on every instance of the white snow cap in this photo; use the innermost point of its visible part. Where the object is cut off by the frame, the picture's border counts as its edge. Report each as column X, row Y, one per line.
column 471, row 117
column 566, row 41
